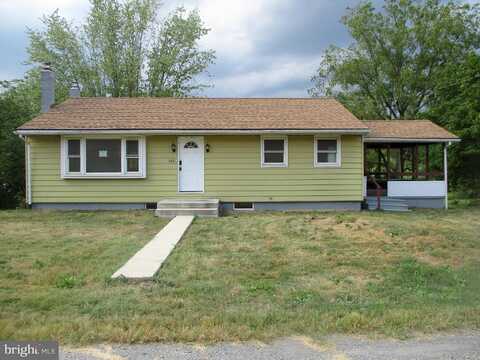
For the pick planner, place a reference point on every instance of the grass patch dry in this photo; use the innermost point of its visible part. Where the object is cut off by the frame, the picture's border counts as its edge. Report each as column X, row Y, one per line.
column 253, row 276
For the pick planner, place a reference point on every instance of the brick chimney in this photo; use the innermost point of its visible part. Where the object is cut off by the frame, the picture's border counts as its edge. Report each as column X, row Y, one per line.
column 47, row 87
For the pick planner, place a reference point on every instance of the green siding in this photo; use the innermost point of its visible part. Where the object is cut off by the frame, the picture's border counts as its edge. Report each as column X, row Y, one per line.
column 232, row 173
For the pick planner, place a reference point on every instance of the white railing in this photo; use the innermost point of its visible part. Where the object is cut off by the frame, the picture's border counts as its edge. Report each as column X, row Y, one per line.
column 416, row 188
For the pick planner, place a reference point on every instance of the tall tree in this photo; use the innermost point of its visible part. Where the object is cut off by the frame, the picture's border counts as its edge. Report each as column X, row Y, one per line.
column 456, row 105
column 174, row 59
column 123, row 49
column 398, row 54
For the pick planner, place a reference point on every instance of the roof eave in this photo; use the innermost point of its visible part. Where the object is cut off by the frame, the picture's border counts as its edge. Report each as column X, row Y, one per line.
column 410, row 140
column 361, row 131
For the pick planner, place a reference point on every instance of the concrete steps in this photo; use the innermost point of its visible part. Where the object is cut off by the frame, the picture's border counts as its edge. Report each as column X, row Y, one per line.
column 387, row 204
column 175, row 207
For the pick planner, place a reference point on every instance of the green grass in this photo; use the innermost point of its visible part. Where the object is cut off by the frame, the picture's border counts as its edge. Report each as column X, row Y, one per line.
column 253, row 276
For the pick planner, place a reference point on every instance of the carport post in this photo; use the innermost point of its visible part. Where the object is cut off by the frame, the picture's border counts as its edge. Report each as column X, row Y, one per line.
column 445, row 173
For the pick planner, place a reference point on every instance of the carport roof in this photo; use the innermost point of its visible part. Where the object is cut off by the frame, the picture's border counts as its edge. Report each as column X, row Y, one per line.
column 407, row 131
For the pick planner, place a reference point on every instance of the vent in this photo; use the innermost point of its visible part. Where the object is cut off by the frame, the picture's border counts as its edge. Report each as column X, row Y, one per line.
column 151, row 206
column 243, row 206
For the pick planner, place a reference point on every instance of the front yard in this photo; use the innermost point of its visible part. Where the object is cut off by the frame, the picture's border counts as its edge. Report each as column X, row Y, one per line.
column 240, row 277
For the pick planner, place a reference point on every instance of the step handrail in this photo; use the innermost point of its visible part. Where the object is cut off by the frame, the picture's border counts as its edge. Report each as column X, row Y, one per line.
column 378, row 191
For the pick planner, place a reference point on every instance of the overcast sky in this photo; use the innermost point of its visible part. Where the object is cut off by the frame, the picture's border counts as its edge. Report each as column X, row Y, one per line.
column 264, row 47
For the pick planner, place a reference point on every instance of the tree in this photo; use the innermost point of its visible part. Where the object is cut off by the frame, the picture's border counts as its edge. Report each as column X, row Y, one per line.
column 456, row 105
column 173, row 59
column 124, row 50
column 392, row 68
column 19, row 102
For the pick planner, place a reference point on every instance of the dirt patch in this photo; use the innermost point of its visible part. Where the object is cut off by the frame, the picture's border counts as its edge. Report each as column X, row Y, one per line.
column 352, row 228
column 312, row 344
column 424, row 245
column 104, row 352
column 315, row 281
column 271, row 230
column 429, row 259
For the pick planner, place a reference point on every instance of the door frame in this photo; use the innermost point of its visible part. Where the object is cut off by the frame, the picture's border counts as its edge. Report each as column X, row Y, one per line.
column 178, row 164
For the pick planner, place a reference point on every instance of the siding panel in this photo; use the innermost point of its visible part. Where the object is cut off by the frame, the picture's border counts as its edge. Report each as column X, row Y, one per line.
column 232, row 173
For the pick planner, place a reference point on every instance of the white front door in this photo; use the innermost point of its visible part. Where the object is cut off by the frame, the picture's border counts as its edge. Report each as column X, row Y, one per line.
column 190, row 163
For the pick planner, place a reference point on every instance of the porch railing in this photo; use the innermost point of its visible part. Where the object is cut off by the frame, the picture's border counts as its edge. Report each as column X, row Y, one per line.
column 378, row 191
column 407, row 175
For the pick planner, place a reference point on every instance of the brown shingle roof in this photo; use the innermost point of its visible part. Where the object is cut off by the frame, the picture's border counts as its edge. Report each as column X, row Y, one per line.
column 407, row 130
column 196, row 114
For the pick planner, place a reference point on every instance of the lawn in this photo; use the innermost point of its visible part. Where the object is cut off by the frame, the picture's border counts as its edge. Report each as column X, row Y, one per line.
column 252, row 276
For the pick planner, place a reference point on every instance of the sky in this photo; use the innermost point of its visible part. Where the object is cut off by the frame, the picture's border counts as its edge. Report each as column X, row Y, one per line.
column 264, row 48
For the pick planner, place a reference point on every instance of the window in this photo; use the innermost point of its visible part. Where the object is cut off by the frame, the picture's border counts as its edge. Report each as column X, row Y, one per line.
column 243, row 206
column 327, row 152
column 190, row 145
column 73, row 156
column 151, row 206
column 274, row 152
column 103, row 157
column 132, row 156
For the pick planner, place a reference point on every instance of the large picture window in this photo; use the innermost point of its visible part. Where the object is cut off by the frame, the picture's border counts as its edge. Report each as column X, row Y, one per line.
column 274, row 152
column 327, row 152
column 103, row 157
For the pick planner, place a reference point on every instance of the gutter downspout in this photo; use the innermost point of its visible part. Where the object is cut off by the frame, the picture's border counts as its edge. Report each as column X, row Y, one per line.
column 28, row 171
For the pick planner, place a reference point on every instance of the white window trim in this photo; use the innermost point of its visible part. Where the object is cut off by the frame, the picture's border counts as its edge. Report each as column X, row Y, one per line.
column 285, row 151
column 336, row 164
column 142, row 168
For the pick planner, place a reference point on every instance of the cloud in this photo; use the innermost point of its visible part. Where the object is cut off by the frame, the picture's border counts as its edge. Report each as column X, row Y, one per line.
column 233, row 23
column 22, row 13
column 305, row 29
column 16, row 16
column 264, row 47
column 281, row 76
column 269, row 48
column 12, row 49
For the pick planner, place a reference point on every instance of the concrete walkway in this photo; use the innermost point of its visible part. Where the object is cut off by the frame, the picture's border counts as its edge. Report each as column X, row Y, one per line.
column 148, row 260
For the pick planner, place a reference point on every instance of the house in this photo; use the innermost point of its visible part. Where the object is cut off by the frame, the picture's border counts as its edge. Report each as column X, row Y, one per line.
column 262, row 154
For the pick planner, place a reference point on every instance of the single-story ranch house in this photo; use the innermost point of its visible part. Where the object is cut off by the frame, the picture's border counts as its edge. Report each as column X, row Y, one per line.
column 262, row 154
